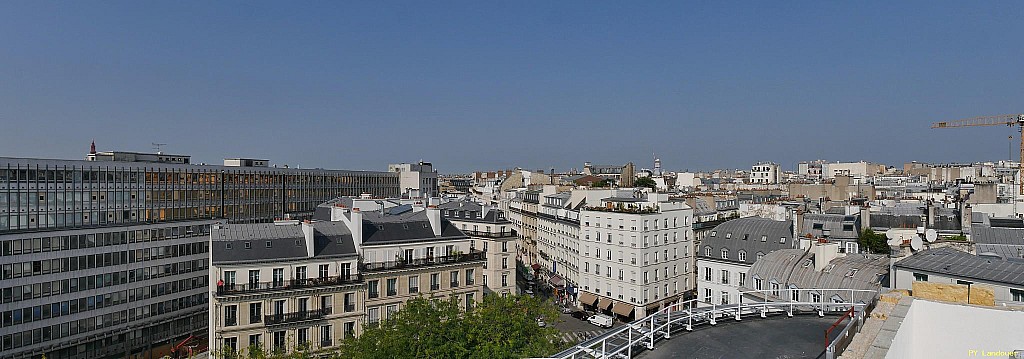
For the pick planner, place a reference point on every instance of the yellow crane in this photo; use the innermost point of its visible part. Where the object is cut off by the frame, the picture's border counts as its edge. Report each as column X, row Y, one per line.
column 1000, row 120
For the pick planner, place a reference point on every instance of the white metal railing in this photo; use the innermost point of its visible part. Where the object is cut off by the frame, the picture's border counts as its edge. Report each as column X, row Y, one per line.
column 643, row 333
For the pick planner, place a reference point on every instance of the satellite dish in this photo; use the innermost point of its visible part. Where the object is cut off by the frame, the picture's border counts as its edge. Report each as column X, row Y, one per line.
column 930, row 235
column 916, row 243
column 891, row 233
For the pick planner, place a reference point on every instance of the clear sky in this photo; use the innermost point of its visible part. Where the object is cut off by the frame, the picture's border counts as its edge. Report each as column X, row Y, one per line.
column 479, row 85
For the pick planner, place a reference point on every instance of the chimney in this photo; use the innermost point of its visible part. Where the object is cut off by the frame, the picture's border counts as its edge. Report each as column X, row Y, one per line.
column 824, row 252
column 307, row 231
column 434, row 215
column 355, row 225
column 92, row 148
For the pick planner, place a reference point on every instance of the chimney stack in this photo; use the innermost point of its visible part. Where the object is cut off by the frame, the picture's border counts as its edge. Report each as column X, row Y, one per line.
column 824, row 253
column 307, row 231
column 355, row 226
column 434, row 215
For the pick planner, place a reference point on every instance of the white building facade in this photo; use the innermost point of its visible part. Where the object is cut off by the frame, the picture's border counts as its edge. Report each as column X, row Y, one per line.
column 730, row 249
column 765, row 173
column 635, row 253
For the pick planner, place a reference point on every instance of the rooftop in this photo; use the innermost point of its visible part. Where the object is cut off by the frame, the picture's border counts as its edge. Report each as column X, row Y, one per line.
column 949, row 261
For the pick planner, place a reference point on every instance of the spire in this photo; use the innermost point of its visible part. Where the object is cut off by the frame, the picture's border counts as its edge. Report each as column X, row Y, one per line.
column 92, row 148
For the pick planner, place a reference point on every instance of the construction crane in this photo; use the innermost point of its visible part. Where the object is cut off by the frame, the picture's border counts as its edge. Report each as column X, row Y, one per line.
column 1000, row 120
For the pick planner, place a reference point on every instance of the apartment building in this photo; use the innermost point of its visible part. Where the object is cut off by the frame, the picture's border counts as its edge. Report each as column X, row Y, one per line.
column 730, row 249
column 765, row 173
column 558, row 237
column 369, row 263
column 108, row 257
column 635, row 253
column 282, row 286
column 492, row 233
column 522, row 210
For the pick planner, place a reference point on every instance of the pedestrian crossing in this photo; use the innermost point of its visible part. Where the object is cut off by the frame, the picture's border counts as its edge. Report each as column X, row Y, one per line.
column 579, row 337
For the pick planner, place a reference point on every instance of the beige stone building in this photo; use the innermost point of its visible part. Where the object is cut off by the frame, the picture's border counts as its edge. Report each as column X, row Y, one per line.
column 283, row 285
column 491, row 232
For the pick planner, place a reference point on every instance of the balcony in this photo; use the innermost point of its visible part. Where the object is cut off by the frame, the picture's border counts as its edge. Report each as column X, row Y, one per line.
column 230, row 321
column 472, row 256
column 505, row 234
column 435, row 286
column 243, row 288
column 284, row 318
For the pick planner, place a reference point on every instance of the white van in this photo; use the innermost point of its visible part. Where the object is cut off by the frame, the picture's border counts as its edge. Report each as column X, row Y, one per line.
column 601, row 320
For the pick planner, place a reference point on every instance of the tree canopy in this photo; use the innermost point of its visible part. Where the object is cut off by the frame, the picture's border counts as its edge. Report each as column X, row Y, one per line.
column 875, row 242
column 497, row 327
column 645, row 182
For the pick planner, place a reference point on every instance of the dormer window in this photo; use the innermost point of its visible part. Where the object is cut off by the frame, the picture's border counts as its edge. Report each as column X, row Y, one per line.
column 248, row 245
column 268, row 244
column 714, row 233
column 728, row 235
column 227, row 245
column 298, row 243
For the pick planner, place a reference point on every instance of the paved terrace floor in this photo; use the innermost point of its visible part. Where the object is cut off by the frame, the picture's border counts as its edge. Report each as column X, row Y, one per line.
column 801, row 336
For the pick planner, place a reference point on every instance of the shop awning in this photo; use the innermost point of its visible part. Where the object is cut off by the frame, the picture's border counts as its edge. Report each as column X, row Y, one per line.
column 651, row 309
column 605, row 304
column 622, row 309
column 587, row 298
column 556, row 281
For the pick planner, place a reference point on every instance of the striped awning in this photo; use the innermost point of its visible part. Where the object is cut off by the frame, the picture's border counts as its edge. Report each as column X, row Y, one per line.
column 587, row 298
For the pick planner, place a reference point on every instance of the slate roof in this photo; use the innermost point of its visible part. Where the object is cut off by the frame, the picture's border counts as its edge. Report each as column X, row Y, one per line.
column 751, row 228
column 469, row 211
column 835, row 223
column 951, row 262
column 796, row 267
column 404, row 228
column 287, row 242
column 1006, row 242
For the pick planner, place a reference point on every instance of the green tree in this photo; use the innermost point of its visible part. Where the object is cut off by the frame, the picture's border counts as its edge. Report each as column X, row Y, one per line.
column 874, row 242
column 645, row 182
column 498, row 327
column 602, row 183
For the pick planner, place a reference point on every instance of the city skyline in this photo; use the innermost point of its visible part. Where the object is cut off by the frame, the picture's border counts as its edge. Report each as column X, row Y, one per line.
column 559, row 84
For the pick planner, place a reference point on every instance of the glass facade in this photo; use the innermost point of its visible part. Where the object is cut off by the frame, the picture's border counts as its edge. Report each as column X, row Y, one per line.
column 111, row 259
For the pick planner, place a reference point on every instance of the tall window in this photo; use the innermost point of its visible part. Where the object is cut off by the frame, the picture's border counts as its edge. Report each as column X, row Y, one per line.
column 725, row 276
column 707, row 295
column 350, row 302
column 392, row 286
column 279, row 342
column 255, row 312
column 454, row 278
column 707, row 274
column 254, row 279
column 435, row 281
column 346, row 271
column 324, row 271
column 302, row 337
column 743, row 279
column 300, row 273
column 278, row 277
column 326, row 337
column 504, row 280
column 229, row 282
column 230, row 315
column 469, row 277
column 414, row 284
column 326, row 303
column 373, row 288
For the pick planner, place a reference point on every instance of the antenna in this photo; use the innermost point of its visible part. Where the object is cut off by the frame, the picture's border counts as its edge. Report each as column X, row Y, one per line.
column 159, row 147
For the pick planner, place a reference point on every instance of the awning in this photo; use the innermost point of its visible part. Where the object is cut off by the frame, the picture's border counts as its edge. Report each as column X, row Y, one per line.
column 622, row 309
column 651, row 309
column 587, row 298
column 605, row 304
column 556, row 281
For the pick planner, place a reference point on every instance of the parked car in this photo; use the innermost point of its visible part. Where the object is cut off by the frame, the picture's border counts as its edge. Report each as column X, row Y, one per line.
column 581, row 315
column 601, row 320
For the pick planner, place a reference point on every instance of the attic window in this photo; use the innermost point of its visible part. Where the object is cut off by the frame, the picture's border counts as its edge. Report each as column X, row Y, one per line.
column 746, row 236
column 764, row 238
column 248, row 245
column 818, row 226
column 425, row 225
column 405, row 226
column 807, row 262
column 268, row 244
column 714, row 233
column 728, row 235
column 852, row 272
column 782, row 240
column 298, row 243
column 227, row 245
column 847, row 227
column 829, row 268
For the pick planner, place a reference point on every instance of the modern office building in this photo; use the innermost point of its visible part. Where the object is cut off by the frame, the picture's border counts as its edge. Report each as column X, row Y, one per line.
column 107, row 258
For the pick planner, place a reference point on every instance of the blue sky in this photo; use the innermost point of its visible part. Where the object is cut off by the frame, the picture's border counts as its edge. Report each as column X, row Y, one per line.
column 481, row 85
